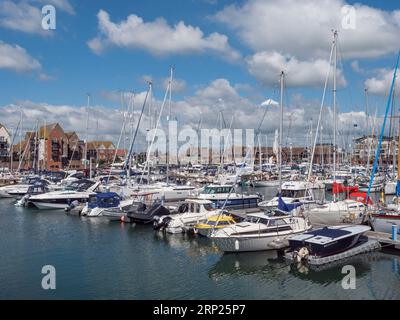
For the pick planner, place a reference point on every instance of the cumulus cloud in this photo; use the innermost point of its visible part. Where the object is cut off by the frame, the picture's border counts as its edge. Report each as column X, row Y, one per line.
column 21, row 16
column 203, row 107
column 158, row 37
column 380, row 83
column 26, row 15
column 303, row 28
column 63, row 5
column 15, row 58
column 267, row 66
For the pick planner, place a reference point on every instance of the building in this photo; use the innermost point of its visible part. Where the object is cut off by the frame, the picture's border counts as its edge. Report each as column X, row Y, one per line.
column 5, row 141
column 49, row 148
column 101, row 151
column 365, row 147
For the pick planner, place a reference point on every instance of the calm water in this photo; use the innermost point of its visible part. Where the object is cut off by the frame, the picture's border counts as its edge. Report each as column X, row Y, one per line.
column 97, row 259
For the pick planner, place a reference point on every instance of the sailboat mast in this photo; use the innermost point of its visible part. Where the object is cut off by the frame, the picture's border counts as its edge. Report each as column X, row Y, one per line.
column 87, row 130
column 168, row 118
column 335, row 35
column 280, row 132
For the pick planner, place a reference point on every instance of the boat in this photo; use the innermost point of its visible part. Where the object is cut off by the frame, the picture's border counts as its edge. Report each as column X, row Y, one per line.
column 100, row 202
column 78, row 191
column 260, row 232
column 214, row 223
column 189, row 213
column 35, row 189
column 140, row 212
column 225, row 195
column 326, row 241
column 291, row 192
column 383, row 220
column 25, row 184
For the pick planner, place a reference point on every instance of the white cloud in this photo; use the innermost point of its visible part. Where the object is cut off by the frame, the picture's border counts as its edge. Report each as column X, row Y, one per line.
column 178, row 85
column 63, row 5
column 218, row 96
column 303, row 28
column 267, row 66
column 355, row 65
column 14, row 57
column 26, row 15
column 381, row 82
column 21, row 16
column 157, row 37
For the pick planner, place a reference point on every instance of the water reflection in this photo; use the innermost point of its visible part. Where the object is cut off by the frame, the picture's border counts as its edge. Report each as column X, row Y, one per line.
column 266, row 263
column 194, row 245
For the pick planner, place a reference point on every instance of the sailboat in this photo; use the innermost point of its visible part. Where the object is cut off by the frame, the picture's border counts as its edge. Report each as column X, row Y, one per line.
column 385, row 217
column 334, row 212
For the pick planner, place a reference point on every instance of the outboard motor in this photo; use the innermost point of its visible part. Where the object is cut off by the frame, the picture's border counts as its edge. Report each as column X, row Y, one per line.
column 161, row 223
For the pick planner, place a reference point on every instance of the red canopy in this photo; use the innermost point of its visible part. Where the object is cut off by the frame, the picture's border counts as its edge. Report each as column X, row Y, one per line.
column 360, row 197
column 339, row 188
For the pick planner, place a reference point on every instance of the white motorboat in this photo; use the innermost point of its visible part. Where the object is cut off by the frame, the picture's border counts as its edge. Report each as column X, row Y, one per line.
column 326, row 241
column 78, row 191
column 190, row 213
column 24, row 185
column 292, row 192
column 159, row 191
column 260, row 232
column 101, row 202
column 221, row 195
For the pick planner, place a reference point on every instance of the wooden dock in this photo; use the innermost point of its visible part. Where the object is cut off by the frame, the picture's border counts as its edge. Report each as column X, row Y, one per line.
column 383, row 238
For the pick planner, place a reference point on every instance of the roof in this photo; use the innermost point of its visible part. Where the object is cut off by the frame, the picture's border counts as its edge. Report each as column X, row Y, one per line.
column 2, row 126
column 44, row 131
column 97, row 144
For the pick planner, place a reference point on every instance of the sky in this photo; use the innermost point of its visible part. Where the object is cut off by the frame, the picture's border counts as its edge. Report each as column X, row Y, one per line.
column 226, row 55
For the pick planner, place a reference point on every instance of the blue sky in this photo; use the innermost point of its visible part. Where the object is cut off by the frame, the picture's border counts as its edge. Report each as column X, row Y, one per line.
column 261, row 34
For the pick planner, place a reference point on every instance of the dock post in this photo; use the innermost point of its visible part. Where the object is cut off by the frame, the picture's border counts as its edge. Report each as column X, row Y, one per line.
column 394, row 232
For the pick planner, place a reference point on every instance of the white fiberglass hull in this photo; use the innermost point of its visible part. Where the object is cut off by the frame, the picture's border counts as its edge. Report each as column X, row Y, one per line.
column 248, row 244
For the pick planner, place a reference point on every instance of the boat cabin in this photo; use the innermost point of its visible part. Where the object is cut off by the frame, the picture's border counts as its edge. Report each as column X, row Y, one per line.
column 104, row 200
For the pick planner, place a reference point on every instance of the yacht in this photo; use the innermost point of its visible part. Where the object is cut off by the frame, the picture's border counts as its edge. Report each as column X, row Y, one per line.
column 292, row 192
column 100, row 202
column 78, row 191
column 225, row 194
column 326, row 241
column 189, row 213
column 260, row 232
column 25, row 184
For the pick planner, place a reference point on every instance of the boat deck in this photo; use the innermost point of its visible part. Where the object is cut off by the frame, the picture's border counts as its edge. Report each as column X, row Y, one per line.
column 384, row 238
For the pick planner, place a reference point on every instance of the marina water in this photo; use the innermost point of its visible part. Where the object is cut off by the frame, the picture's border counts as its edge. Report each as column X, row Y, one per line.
column 97, row 259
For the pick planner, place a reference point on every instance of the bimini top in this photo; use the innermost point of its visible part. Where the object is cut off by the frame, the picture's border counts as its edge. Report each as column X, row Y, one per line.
column 105, row 200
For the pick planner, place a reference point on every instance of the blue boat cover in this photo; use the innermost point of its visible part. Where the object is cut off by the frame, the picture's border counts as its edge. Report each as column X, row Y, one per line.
column 398, row 189
column 105, row 200
column 285, row 206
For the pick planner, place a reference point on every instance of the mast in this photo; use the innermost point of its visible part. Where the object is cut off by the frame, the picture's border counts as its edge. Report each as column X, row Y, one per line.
column 280, row 132
column 169, row 118
column 335, row 35
column 87, row 129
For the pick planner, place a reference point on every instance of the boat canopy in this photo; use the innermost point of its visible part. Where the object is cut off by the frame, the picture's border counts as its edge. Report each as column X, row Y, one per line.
column 104, row 200
column 286, row 207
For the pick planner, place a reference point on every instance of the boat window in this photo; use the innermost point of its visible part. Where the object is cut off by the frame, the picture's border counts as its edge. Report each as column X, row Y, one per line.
column 191, row 207
column 197, row 208
column 208, row 206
